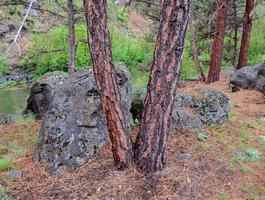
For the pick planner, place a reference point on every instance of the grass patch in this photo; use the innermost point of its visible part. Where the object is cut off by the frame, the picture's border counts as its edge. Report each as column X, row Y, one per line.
column 224, row 196
column 6, row 164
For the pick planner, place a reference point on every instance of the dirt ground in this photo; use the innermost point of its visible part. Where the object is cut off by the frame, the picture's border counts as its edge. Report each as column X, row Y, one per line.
column 196, row 169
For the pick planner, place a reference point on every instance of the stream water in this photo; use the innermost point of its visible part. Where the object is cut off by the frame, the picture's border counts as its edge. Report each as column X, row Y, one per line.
column 13, row 101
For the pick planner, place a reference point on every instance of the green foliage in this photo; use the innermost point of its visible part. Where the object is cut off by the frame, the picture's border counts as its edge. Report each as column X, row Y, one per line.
column 253, row 154
column 3, row 66
column 257, row 42
column 3, row 195
column 202, row 136
column 262, row 141
column 5, row 164
column 50, row 53
column 132, row 51
column 245, row 169
column 224, row 196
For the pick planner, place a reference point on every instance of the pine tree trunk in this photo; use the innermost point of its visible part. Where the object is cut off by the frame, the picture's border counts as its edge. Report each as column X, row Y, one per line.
column 218, row 43
column 235, row 21
column 247, row 25
column 72, row 41
column 150, row 146
column 199, row 71
column 100, row 48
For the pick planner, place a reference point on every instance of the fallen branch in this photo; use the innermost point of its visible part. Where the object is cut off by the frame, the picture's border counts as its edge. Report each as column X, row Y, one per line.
column 20, row 28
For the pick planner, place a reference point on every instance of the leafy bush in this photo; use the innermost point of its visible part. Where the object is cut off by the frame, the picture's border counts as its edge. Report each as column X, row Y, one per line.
column 257, row 42
column 3, row 66
column 50, row 53
column 3, row 195
column 5, row 164
column 253, row 154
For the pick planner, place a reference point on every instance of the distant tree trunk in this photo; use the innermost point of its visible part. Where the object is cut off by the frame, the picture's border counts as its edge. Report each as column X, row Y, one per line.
column 247, row 25
column 100, row 48
column 234, row 59
column 72, row 41
column 199, row 71
column 218, row 43
column 150, row 146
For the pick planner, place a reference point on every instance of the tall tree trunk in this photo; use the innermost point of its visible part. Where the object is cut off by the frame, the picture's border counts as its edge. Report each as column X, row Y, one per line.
column 150, row 146
column 218, row 43
column 105, row 75
column 199, row 71
column 72, row 41
column 234, row 59
column 247, row 25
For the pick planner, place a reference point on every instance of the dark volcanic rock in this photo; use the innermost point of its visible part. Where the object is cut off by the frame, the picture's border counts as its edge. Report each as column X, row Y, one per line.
column 250, row 77
column 192, row 109
column 74, row 127
column 15, row 174
column 5, row 118
column 42, row 91
column 198, row 107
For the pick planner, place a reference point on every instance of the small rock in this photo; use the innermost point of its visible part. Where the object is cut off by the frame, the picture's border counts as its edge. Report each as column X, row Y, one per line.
column 240, row 155
column 15, row 174
column 184, row 156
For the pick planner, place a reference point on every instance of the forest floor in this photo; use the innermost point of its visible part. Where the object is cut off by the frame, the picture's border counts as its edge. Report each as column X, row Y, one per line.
column 226, row 165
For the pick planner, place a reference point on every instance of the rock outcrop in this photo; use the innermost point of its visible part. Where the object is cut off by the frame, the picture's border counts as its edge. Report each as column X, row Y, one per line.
column 249, row 77
column 42, row 91
column 195, row 108
column 74, row 127
column 192, row 109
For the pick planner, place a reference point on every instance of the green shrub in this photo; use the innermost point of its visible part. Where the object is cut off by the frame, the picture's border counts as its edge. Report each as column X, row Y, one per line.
column 127, row 49
column 3, row 66
column 257, row 42
column 5, row 164
column 3, row 195
column 253, row 154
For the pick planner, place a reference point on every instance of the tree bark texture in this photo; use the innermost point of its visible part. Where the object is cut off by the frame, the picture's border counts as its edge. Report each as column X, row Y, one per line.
column 218, row 43
column 195, row 55
column 247, row 25
column 150, row 146
column 235, row 38
column 100, row 48
column 72, row 40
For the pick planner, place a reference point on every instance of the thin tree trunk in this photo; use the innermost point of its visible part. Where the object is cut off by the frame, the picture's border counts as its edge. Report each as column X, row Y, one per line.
column 150, row 146
column 199, row 71
column 218, row 43
column 100, row 48
column 234, row 59
column 247, row 25
column 72, row 40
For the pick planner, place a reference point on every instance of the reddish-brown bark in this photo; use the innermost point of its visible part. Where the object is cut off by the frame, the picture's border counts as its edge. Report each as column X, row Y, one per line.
column 247, row 25
column 195, row 54
column 218, row 43
column 150, row 146
column 100, row 48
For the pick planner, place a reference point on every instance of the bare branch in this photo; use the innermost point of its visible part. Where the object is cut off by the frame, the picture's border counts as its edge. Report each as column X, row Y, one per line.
column 20, row 28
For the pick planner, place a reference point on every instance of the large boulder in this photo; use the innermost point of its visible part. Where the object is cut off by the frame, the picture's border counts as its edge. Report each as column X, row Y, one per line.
column 249, row 77
column 74, row 127
column 197, row 107
column 42, row 91
column 191, row 109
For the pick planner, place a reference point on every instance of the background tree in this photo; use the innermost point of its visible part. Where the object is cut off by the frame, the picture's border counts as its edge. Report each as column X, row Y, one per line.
column 100, row 48
column 247, row 25
column 218, row 43
column 72, row 40
column 195, row 54
column 150, row 147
